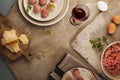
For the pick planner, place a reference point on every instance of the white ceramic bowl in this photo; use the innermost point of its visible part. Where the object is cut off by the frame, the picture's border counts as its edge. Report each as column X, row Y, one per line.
column 84, row 73
column 116, row 77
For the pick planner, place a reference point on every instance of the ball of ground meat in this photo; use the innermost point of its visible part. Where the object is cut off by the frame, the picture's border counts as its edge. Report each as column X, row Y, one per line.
column 36, row 8
column 68, row 78
column 31, row 2
column 42, row 2
column 80, row 78
column 76, row 73
column 53, row 1
column 44, row 13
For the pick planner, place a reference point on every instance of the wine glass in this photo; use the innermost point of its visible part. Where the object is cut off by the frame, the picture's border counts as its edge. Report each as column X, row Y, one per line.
column 79, row 14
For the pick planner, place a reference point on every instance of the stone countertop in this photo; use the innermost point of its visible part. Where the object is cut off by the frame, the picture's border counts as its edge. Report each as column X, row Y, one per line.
column 49, row 49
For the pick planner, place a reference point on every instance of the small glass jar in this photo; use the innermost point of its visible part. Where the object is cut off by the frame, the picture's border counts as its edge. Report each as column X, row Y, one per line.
column 79, row 14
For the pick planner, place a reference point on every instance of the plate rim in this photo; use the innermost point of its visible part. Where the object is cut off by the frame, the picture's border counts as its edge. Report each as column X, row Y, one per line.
column 42, row 24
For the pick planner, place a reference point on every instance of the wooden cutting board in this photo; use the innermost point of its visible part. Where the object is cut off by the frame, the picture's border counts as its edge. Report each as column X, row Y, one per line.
column 96, row 29
column 5, row 25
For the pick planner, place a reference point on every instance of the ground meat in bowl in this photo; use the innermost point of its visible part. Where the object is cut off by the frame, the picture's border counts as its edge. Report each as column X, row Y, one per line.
column 111, row 59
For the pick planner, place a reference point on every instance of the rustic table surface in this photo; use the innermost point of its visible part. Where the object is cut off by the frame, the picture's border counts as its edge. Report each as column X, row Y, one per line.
column 49, row 49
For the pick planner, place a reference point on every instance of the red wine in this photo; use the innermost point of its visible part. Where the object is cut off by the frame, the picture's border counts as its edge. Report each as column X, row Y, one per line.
column 78, row 13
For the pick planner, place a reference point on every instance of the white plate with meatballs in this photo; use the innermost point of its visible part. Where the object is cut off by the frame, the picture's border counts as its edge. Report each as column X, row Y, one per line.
column 79, row 74
column 43, row 10
column 44, row 23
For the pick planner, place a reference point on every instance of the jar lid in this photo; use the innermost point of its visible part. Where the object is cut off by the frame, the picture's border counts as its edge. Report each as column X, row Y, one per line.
column 102, row 6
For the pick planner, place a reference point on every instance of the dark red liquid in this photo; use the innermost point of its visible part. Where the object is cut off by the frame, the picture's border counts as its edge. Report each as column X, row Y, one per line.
column 78, row 13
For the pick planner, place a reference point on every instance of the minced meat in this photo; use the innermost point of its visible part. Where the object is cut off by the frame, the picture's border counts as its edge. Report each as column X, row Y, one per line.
column 111, row 59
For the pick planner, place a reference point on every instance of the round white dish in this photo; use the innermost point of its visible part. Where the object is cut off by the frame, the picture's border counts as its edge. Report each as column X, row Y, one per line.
column 84, row 73
column 117, row 77
column 53, row 14
column 44, row 23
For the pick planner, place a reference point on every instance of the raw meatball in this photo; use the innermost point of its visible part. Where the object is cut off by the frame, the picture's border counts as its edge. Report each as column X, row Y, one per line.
column 53, row 1
column 31, row 2
column 42, row 2
column 76, row 73
column 69, row 78
column 44, row 13
column 80, row 78
column 36, row 8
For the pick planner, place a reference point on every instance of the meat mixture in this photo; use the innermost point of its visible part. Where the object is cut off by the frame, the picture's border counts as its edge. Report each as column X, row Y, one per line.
column 111, row 59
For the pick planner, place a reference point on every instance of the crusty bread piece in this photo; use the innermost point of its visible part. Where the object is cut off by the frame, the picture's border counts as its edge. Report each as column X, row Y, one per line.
column 10, row 40
column 23, row 38
column 9, row 37
column 14, row 47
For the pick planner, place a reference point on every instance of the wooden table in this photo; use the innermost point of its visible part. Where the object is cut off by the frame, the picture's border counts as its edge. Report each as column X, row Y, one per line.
column 49, row 49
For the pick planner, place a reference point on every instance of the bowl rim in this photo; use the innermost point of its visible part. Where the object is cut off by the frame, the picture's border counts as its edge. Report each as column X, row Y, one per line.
column 103, row 68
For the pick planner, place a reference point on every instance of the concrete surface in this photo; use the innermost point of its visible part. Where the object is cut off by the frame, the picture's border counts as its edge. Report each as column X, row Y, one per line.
column 50, row 49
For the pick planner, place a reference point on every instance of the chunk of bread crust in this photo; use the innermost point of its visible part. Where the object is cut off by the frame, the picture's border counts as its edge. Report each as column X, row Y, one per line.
column 23, row 38
column 9, row 37
column 13, row 47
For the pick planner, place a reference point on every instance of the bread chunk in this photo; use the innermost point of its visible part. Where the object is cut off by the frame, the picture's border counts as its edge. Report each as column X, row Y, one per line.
column 13, row 47
column 11, row 41
column 9, row 37
column 23, row 38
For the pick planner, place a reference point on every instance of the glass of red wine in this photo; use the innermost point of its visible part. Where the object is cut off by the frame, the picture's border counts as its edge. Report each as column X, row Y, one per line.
column 79, row 14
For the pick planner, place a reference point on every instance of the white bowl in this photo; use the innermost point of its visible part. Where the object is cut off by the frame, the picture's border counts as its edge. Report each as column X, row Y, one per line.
column 116, row 77
column 84, row 73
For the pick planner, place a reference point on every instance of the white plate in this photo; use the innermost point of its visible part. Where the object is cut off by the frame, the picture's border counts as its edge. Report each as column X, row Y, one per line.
column 45, row 23
column 52, row 14
column 84, row 73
